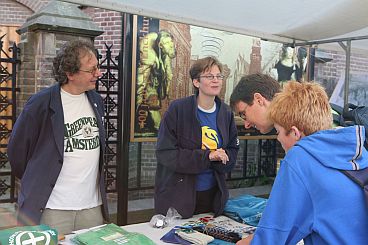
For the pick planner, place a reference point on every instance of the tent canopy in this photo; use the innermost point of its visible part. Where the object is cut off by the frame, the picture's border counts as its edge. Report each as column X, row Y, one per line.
column 285, row 21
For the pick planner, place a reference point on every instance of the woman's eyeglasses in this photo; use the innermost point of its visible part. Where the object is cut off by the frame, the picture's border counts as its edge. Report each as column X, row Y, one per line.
column 211, row 77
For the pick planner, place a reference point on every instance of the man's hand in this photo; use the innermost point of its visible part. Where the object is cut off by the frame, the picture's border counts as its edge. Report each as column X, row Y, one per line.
column 245, row 241
column 219, row 155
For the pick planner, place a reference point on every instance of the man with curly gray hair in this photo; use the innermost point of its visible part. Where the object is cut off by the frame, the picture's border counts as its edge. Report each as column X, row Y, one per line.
column 56, row 146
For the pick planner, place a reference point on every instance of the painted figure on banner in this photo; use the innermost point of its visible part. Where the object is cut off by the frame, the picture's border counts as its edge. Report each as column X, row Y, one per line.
column 286, row 68
column 156, row 49
column 301, row 73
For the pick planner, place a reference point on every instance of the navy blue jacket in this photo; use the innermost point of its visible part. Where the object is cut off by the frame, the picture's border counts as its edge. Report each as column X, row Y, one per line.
column 36, row 150
column 180, row 157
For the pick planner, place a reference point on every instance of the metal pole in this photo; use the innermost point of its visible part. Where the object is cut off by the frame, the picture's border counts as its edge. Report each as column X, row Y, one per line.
column 125, row 63
column 328, row 41
column 347, row 49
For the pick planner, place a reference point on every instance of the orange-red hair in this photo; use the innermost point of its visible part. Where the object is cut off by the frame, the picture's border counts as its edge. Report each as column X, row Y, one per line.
column 303, row 105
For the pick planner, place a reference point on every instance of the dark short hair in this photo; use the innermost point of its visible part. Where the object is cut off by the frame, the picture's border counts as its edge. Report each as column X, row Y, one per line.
column 202, row 65
column 251, row 84
column 68, row 58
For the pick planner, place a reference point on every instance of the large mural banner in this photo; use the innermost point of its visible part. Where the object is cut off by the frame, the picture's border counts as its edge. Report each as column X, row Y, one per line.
column 164, row 51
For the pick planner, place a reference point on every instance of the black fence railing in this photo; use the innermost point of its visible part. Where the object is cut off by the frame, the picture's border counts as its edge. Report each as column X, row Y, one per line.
column 8, row 91
column 108, row 86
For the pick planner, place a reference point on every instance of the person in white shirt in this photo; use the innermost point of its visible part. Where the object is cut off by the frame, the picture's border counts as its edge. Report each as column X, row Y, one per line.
column 56, row 146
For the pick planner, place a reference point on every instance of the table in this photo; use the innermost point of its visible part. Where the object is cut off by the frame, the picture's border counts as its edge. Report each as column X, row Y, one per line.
column 153, row 233
column 156, row 233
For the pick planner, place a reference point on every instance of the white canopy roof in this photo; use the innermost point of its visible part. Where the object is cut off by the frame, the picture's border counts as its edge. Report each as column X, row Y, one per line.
column 274, row 20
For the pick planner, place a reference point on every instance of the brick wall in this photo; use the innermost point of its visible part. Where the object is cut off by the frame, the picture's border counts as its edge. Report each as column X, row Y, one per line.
column 33, row 5
column 148, row 169
column 13, row 13
column 329, row 73
column 111, row 23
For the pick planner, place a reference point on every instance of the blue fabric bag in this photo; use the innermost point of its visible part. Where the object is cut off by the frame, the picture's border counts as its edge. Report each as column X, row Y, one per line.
column 172, row 237
column 245, row 209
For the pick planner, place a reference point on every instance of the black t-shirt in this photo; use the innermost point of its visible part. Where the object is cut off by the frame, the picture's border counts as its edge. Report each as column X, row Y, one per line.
column 284, row 72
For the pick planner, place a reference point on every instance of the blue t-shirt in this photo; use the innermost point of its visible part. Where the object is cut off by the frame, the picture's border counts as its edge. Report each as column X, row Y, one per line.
column 212, row 140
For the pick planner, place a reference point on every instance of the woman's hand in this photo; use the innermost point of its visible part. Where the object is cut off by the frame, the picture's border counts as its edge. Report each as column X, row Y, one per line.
column 219, row 155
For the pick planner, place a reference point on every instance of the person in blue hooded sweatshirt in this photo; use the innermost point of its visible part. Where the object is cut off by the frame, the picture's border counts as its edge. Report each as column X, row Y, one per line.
column 311, row 198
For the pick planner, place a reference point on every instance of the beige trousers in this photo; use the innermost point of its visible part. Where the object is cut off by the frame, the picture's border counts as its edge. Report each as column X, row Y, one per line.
column 66, row 221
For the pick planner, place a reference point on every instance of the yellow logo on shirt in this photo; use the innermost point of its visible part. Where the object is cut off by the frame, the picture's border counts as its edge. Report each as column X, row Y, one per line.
column 209, row 138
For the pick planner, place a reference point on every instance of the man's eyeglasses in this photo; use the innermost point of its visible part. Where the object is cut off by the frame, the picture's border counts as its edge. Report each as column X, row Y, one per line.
column 93, row 70
column 211, row 77
column 243, row 115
